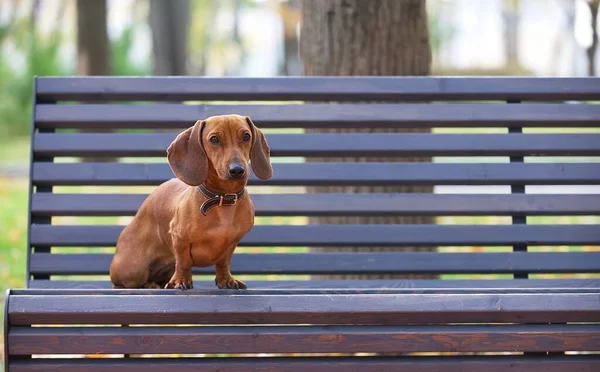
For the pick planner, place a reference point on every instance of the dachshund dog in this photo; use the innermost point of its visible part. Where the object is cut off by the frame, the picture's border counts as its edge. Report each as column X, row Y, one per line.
column 198, row 218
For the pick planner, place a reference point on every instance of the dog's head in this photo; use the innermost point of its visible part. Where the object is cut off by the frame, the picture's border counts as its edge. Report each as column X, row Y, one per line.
column 223, row 144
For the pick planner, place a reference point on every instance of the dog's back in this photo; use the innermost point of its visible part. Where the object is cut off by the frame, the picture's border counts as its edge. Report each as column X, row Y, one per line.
column 146, row 240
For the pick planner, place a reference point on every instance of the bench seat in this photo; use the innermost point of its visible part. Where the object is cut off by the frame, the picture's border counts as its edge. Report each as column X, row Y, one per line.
column 272, row 322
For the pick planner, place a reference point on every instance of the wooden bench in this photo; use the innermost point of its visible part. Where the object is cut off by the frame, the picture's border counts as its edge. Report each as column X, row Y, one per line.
column 530, row 305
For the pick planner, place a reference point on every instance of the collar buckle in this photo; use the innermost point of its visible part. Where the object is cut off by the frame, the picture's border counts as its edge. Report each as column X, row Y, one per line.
column 233, row 196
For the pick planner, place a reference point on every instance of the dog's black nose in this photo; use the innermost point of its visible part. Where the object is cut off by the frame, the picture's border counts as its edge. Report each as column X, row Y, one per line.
column 236, row 170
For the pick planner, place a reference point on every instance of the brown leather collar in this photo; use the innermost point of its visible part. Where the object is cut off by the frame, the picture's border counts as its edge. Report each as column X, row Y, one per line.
column 214, row 199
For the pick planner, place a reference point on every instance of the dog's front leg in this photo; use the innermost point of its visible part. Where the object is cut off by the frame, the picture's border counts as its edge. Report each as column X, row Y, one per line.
column 224, row 279
column 182, row 277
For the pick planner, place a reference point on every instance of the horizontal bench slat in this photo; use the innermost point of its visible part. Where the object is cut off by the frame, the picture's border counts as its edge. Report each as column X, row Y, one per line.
column 351, row 263
column 49, row 204
column 321, row 115
column 314, row 339
column 357, row 309
column 366, row 284
column 313, row 174
column 579, row 363
column 316, row 88
column 338, row 144
column 351, row 235
column 203, row 290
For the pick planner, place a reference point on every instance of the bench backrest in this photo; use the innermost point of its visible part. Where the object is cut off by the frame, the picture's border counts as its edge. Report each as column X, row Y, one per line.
column 505, row 133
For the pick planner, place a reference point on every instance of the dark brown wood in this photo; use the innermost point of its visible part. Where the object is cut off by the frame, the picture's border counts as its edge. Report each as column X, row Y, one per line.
column 39, row 189
column 572, row 363
column 5, row 329
column 47, row 204
column 363, row 309
column 301, row 339
column 351, row 263
column 330, row 145
column 356, row 88
column 355, row 235
column 353, row 284
column 335, row 174
column 320, row 115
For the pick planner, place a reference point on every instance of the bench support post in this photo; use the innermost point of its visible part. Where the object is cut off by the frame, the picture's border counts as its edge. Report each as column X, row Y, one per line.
column 518, row 189
column 521, row 219
column 48, row 189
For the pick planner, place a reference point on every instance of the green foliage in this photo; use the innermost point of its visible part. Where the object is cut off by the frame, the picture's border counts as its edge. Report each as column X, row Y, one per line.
column 120, row 49
column 13, row 233
column 41, row 55
column 438, row 32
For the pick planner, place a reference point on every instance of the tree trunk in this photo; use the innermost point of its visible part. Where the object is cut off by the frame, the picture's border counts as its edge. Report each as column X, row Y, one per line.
column 289, row 11
column 169, row 21
column 591, row 50
column 376, row 37
column 93, row 56
column 93, row 48
column 510, row 17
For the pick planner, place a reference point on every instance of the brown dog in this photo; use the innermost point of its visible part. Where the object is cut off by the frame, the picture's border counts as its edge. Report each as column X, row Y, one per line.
column 198, row 218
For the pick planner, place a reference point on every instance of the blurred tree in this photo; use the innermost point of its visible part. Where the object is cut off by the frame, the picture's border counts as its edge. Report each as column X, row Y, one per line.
column 231, row 45
column 510, row 16
column 123, row 49
column 41, row 55
column 170, row 23
column 289, row 11
column 377, row 37
column 441, row 30
column 93, row 47
column 92, row 38
column 10, row 19
column 591, row 50
column 121, row 46
column 564, row 42
column 200, row 34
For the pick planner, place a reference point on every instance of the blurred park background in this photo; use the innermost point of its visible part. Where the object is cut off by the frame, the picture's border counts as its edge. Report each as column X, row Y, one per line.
column 255, row 38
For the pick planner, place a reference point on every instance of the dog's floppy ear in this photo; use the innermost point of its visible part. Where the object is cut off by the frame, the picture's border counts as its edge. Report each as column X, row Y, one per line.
column 260, row 154
column 187, row 157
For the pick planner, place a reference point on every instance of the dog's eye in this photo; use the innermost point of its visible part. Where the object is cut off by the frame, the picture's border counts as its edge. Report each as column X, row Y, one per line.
column 246, row 137
column 214, row 139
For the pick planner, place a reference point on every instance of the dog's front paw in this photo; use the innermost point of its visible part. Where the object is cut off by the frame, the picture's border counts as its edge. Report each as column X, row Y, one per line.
column 180, row 282
column 229, row 282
